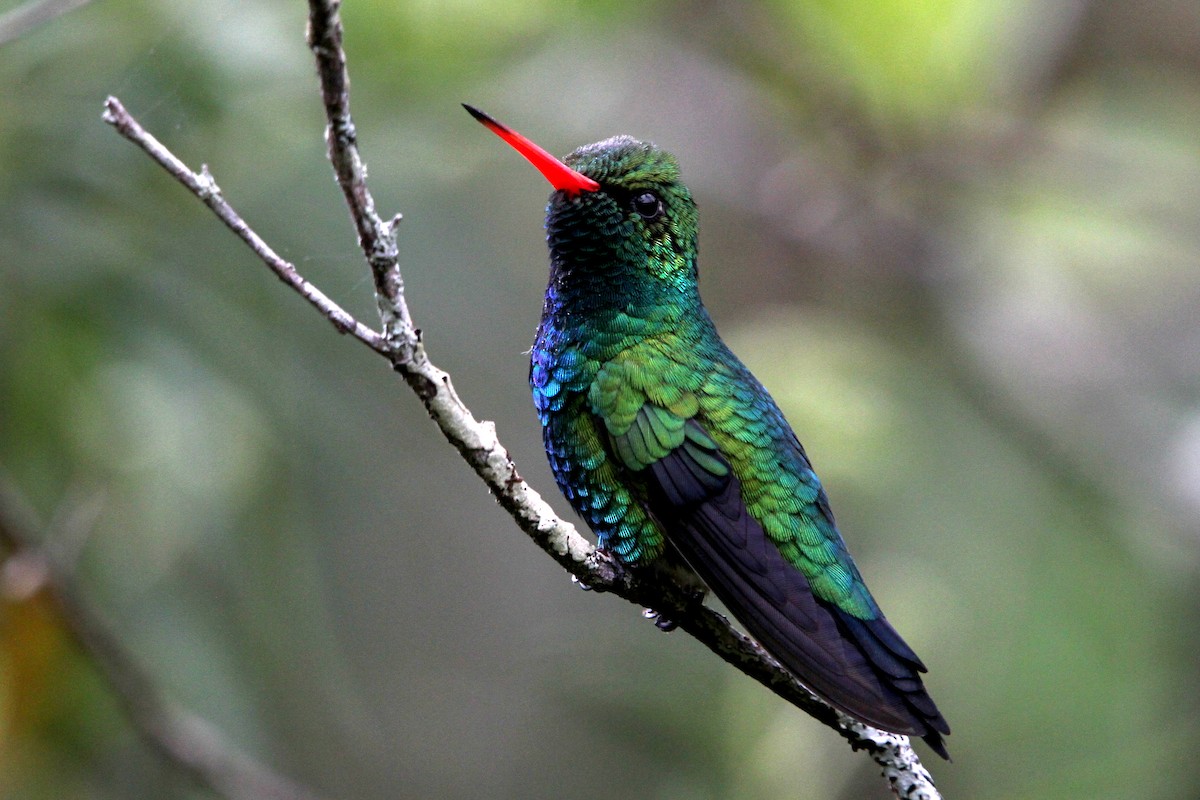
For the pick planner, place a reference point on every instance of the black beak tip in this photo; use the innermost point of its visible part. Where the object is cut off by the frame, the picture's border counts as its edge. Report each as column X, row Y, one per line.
column 480, row 116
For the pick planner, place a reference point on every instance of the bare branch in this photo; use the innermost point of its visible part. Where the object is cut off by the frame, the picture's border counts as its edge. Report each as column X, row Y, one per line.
column 182, row 738
column 204, row 187
column 377, row 240
column 477, row 441
column 16, row 23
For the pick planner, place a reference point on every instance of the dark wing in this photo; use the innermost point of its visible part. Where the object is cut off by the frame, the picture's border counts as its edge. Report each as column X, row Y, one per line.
column 860, row 666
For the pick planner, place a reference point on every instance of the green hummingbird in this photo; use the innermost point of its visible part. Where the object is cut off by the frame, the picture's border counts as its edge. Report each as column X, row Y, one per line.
column 666, row 444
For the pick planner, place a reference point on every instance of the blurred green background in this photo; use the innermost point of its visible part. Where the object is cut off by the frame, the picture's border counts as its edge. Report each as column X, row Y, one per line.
column 958, row 239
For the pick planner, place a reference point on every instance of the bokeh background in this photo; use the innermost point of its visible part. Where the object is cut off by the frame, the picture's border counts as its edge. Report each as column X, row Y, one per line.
column 958, row 239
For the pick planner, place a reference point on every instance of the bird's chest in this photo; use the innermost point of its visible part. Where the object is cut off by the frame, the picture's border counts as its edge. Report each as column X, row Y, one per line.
column 571, row 348
column 559, row 369
column 565, row 364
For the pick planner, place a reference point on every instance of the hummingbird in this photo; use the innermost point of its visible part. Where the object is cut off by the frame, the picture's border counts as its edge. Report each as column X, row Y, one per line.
column 668, row 447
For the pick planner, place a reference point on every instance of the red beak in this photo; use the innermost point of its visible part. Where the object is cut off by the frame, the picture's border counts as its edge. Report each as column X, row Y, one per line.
column 559, row 174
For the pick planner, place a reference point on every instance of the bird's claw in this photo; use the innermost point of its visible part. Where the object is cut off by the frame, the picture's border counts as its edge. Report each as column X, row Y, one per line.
column 662, row 623
column 582, row 585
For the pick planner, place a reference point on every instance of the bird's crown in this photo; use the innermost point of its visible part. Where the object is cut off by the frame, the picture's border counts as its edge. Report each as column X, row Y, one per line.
column 626, row 162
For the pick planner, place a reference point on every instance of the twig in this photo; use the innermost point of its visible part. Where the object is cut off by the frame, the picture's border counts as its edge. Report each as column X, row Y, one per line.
column 16, row 23
column 477, row 441
column 202, row 185
column 377, row 239
column 184, row 739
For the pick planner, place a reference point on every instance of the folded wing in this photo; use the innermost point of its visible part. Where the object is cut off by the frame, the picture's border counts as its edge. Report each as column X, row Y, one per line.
column 858, row 665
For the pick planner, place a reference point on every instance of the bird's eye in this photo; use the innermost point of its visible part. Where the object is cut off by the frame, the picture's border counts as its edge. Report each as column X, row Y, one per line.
column 647, row 205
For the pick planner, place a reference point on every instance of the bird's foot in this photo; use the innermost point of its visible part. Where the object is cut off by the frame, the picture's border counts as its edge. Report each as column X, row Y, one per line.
column 604, row 571
column 662, row 623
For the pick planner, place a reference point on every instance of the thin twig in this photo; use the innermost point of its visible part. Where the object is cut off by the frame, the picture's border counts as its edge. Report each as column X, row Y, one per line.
column 184, row 739
column 377, row 240
column 16, row 23
column 477, row 441
column 202, row 185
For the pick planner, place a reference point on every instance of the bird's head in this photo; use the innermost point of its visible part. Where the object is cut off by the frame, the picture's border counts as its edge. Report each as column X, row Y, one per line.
column 619, row 209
